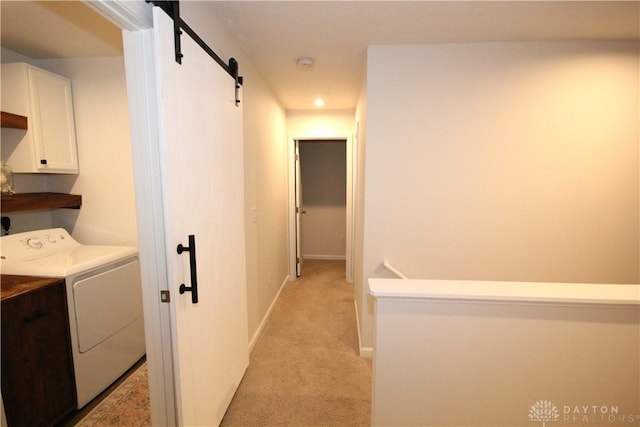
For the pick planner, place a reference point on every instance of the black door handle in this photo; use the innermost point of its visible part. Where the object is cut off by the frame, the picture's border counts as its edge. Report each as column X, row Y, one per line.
column 192, row 264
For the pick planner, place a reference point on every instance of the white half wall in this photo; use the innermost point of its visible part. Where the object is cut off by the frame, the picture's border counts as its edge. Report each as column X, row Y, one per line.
column 502, row 161
column 465, row 353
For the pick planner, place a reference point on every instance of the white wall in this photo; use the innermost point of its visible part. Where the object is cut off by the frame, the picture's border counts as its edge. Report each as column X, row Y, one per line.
column 502, row 161
column 265, row 197
column 108, row 214
column 318, row 124
column 362, row 298
column 265, row 145
column 324, row 198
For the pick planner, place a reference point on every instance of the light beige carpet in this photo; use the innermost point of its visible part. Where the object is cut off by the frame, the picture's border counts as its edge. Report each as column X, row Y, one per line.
column 305, row 369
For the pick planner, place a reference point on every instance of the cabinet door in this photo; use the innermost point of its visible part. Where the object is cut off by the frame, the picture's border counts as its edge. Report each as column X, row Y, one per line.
column 52, row 122
column 37, row 368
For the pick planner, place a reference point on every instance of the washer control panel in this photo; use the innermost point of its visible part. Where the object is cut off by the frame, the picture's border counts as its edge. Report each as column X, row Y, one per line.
column 19, row 246
column 39, row 241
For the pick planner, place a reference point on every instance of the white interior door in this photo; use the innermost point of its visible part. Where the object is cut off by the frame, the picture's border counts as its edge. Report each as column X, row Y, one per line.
column 202, row 179
column 299, row 212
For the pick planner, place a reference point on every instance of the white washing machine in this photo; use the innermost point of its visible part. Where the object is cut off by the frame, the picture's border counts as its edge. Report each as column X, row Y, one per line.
column 104, row 296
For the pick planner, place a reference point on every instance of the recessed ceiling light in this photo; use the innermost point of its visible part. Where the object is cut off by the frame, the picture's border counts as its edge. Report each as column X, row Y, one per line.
column 318, row 102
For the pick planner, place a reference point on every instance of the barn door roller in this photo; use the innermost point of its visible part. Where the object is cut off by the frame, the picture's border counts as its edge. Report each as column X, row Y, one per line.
column 172, row 8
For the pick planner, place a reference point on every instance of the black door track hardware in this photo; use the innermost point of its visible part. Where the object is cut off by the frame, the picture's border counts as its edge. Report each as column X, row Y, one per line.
column 192, row 264
column 172, row 8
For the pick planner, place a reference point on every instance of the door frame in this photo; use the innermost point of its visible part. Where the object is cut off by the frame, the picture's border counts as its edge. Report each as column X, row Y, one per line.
column 297, row 210
column 134, row 17
column 351, row 165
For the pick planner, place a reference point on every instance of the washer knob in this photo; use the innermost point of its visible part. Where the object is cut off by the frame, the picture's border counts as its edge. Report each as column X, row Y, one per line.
column 34, row 243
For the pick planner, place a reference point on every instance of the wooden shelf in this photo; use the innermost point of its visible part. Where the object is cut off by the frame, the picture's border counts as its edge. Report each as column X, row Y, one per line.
column 39, row 201
column 9, row 120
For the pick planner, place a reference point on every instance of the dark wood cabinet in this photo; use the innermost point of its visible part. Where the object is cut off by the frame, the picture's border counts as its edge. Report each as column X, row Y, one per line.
column 37, row 366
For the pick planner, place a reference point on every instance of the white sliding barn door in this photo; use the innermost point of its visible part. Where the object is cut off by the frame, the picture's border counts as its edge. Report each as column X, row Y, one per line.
column 203, row 189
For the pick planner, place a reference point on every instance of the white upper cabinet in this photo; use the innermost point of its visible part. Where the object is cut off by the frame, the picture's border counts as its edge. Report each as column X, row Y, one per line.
column 49, row 143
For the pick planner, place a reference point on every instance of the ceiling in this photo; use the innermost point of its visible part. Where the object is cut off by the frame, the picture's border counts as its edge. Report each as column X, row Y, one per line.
column 56, row 29
column 335, row 33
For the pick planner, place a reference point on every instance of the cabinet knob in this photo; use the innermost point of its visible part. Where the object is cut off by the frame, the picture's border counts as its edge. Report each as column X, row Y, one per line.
column 43, row 161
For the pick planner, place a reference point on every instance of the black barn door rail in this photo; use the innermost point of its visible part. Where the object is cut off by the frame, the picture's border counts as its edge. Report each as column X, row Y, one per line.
column 172, row 8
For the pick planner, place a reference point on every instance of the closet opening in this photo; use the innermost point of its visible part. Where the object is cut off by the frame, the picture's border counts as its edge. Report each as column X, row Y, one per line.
column 322, row 202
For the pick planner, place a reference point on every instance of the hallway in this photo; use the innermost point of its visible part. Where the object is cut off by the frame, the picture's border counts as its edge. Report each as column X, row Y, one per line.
column 305, row 368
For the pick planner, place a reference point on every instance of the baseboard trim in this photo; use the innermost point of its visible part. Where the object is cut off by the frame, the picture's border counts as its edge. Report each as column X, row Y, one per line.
column 366, row 352
column 325, row 257
column 262, row 325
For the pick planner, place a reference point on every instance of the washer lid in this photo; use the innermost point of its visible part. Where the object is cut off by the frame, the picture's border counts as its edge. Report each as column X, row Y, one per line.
column 69, row 261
